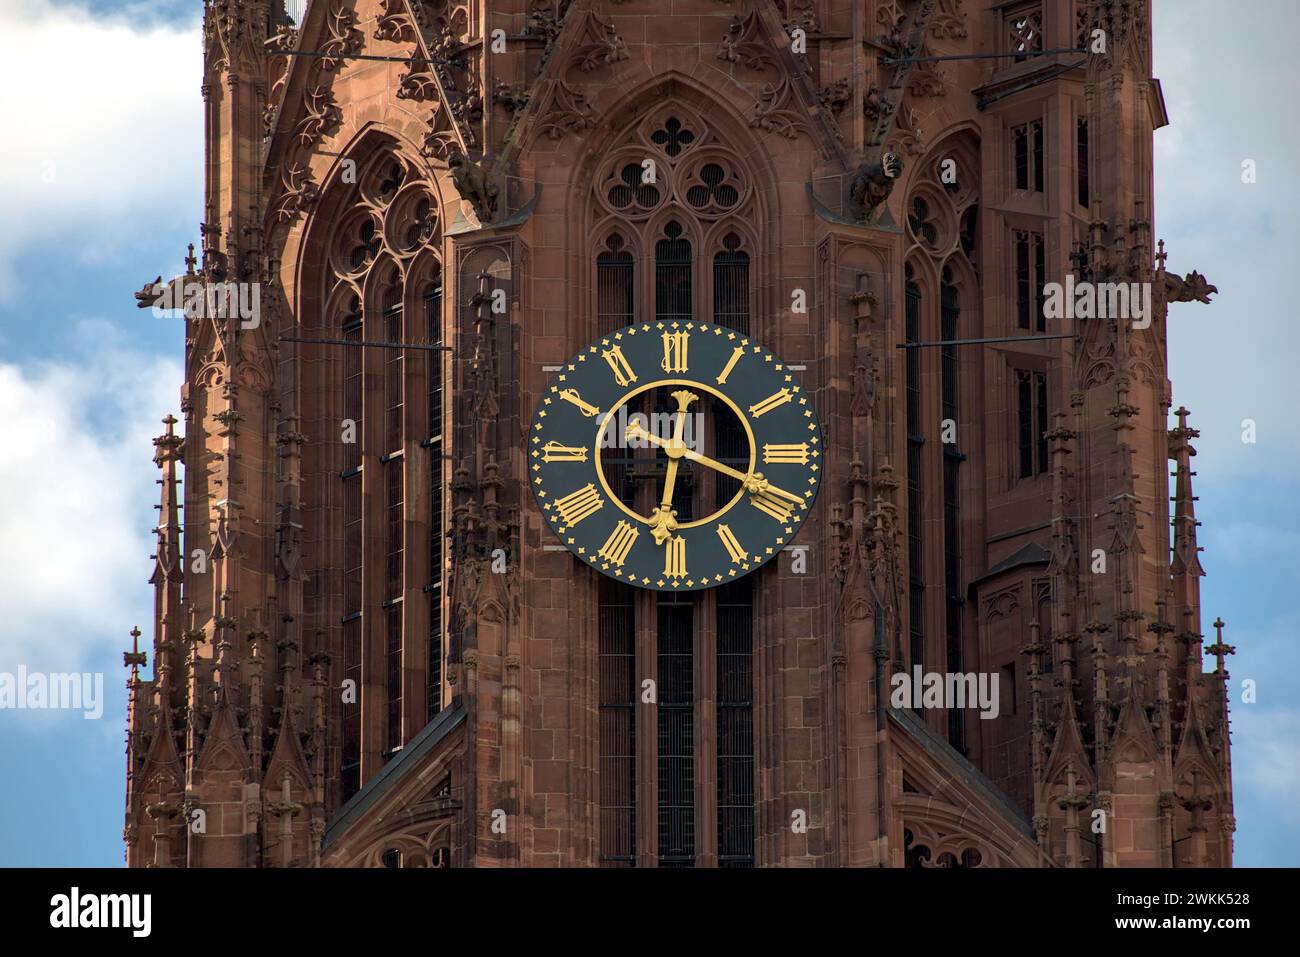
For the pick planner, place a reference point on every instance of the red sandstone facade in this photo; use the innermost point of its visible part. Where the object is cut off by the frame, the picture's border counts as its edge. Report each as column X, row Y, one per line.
column 387, row 170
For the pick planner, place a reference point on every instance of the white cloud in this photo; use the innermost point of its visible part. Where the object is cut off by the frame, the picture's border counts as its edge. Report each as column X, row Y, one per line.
column 77, row 483
column 109, row 137
column 1230, row 89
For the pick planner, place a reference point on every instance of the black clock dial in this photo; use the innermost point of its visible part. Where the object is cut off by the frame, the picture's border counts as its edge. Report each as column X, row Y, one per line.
column 675, row 455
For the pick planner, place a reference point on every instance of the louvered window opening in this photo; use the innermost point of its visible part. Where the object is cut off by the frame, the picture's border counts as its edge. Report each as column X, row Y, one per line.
column 676, row 725
column 617, row 717
column 350, row 765
column 731, row 286
column 434, row 361
column 735, row 722
column 950, row 312
column 915, row 443
column 393, row 669
column 673, row 276
column 615, row 287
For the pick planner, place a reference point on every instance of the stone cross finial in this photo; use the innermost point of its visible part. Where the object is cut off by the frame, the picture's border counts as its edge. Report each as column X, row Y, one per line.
column 1220, row 648
column 135, row 658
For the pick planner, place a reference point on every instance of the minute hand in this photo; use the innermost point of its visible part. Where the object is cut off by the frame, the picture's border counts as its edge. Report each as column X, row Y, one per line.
column 753, row 483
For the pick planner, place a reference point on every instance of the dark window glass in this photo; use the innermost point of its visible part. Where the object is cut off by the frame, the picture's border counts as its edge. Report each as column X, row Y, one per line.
column 676, row 714
column 1020, row 137
column 393, row 508
column 673, row 276
column 1081, row 162
column 352, row 386
column 351, row 766
column 1027, row 150
column 434, row 362
column 735, row 703
column 969, row 234
column 393, row 365
column 915, row 441
column 614, row 286
column 352, row 543
column 393, row 655
column 1036, row 130
column 350, row 771
column 952, row 459
column 618, row 700
column 433, row 331
column 920, row 223
column 433, row 688
column 1040, row 280
column 1022, row 279
column 948, row 331
column 731, row 286
column 1040, row 384
column 1024, row 424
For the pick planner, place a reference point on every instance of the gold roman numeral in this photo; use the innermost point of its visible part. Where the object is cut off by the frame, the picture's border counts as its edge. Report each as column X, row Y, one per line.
column 623, row 373
column 675, row 558
column 553, row 451
column 586, row 408
column 619, row 543
column 577, row 505
column 768, row 501
column 796, row 454
column 736, row 353
column 770, row 403
column 729, row 542
column 675, row 348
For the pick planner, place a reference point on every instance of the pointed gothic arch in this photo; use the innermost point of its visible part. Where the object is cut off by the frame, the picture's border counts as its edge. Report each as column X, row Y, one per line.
column 707, row 170
column 368, row 258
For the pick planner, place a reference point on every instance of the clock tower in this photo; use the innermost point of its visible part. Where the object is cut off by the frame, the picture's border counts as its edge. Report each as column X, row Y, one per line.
column 639, row 391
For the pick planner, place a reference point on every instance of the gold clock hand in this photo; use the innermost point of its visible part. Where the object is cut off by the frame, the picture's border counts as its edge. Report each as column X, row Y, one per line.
column 670, row 479
column 676, row 447
column 754, row 483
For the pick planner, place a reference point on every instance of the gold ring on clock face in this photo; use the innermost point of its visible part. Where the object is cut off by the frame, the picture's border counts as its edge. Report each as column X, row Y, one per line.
column 611, row 418
column 705, row 488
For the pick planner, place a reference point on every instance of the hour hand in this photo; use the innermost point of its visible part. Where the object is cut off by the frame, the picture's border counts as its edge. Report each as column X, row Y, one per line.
column 637, row 431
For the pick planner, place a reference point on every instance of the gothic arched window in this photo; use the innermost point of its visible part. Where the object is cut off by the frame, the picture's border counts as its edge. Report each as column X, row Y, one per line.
column 672, row 184
column 731, row 285
column 431, row 300
column 380, row 260
column 915, row 444
column 673, row 275
column 615, row 286
column 949, row 313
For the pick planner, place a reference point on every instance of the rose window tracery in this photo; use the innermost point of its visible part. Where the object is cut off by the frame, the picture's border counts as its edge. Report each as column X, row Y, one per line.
column 672, row 159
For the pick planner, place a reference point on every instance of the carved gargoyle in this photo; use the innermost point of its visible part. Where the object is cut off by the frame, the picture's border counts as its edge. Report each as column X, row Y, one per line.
column 1195, row 288
column 149, row 294
column 873, row 182
column 474, row 181
column 872, row 104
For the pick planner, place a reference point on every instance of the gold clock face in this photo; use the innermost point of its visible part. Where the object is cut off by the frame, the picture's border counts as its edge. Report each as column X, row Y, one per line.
column 675, row 455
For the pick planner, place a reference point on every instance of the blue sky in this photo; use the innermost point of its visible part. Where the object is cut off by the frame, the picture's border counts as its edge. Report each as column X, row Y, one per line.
column 101, row 193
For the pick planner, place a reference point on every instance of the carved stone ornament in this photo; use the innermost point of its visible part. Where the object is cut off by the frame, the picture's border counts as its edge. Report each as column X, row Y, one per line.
column 602, row 45
column 473, row 180
column 568, row 113
column 873, row 182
